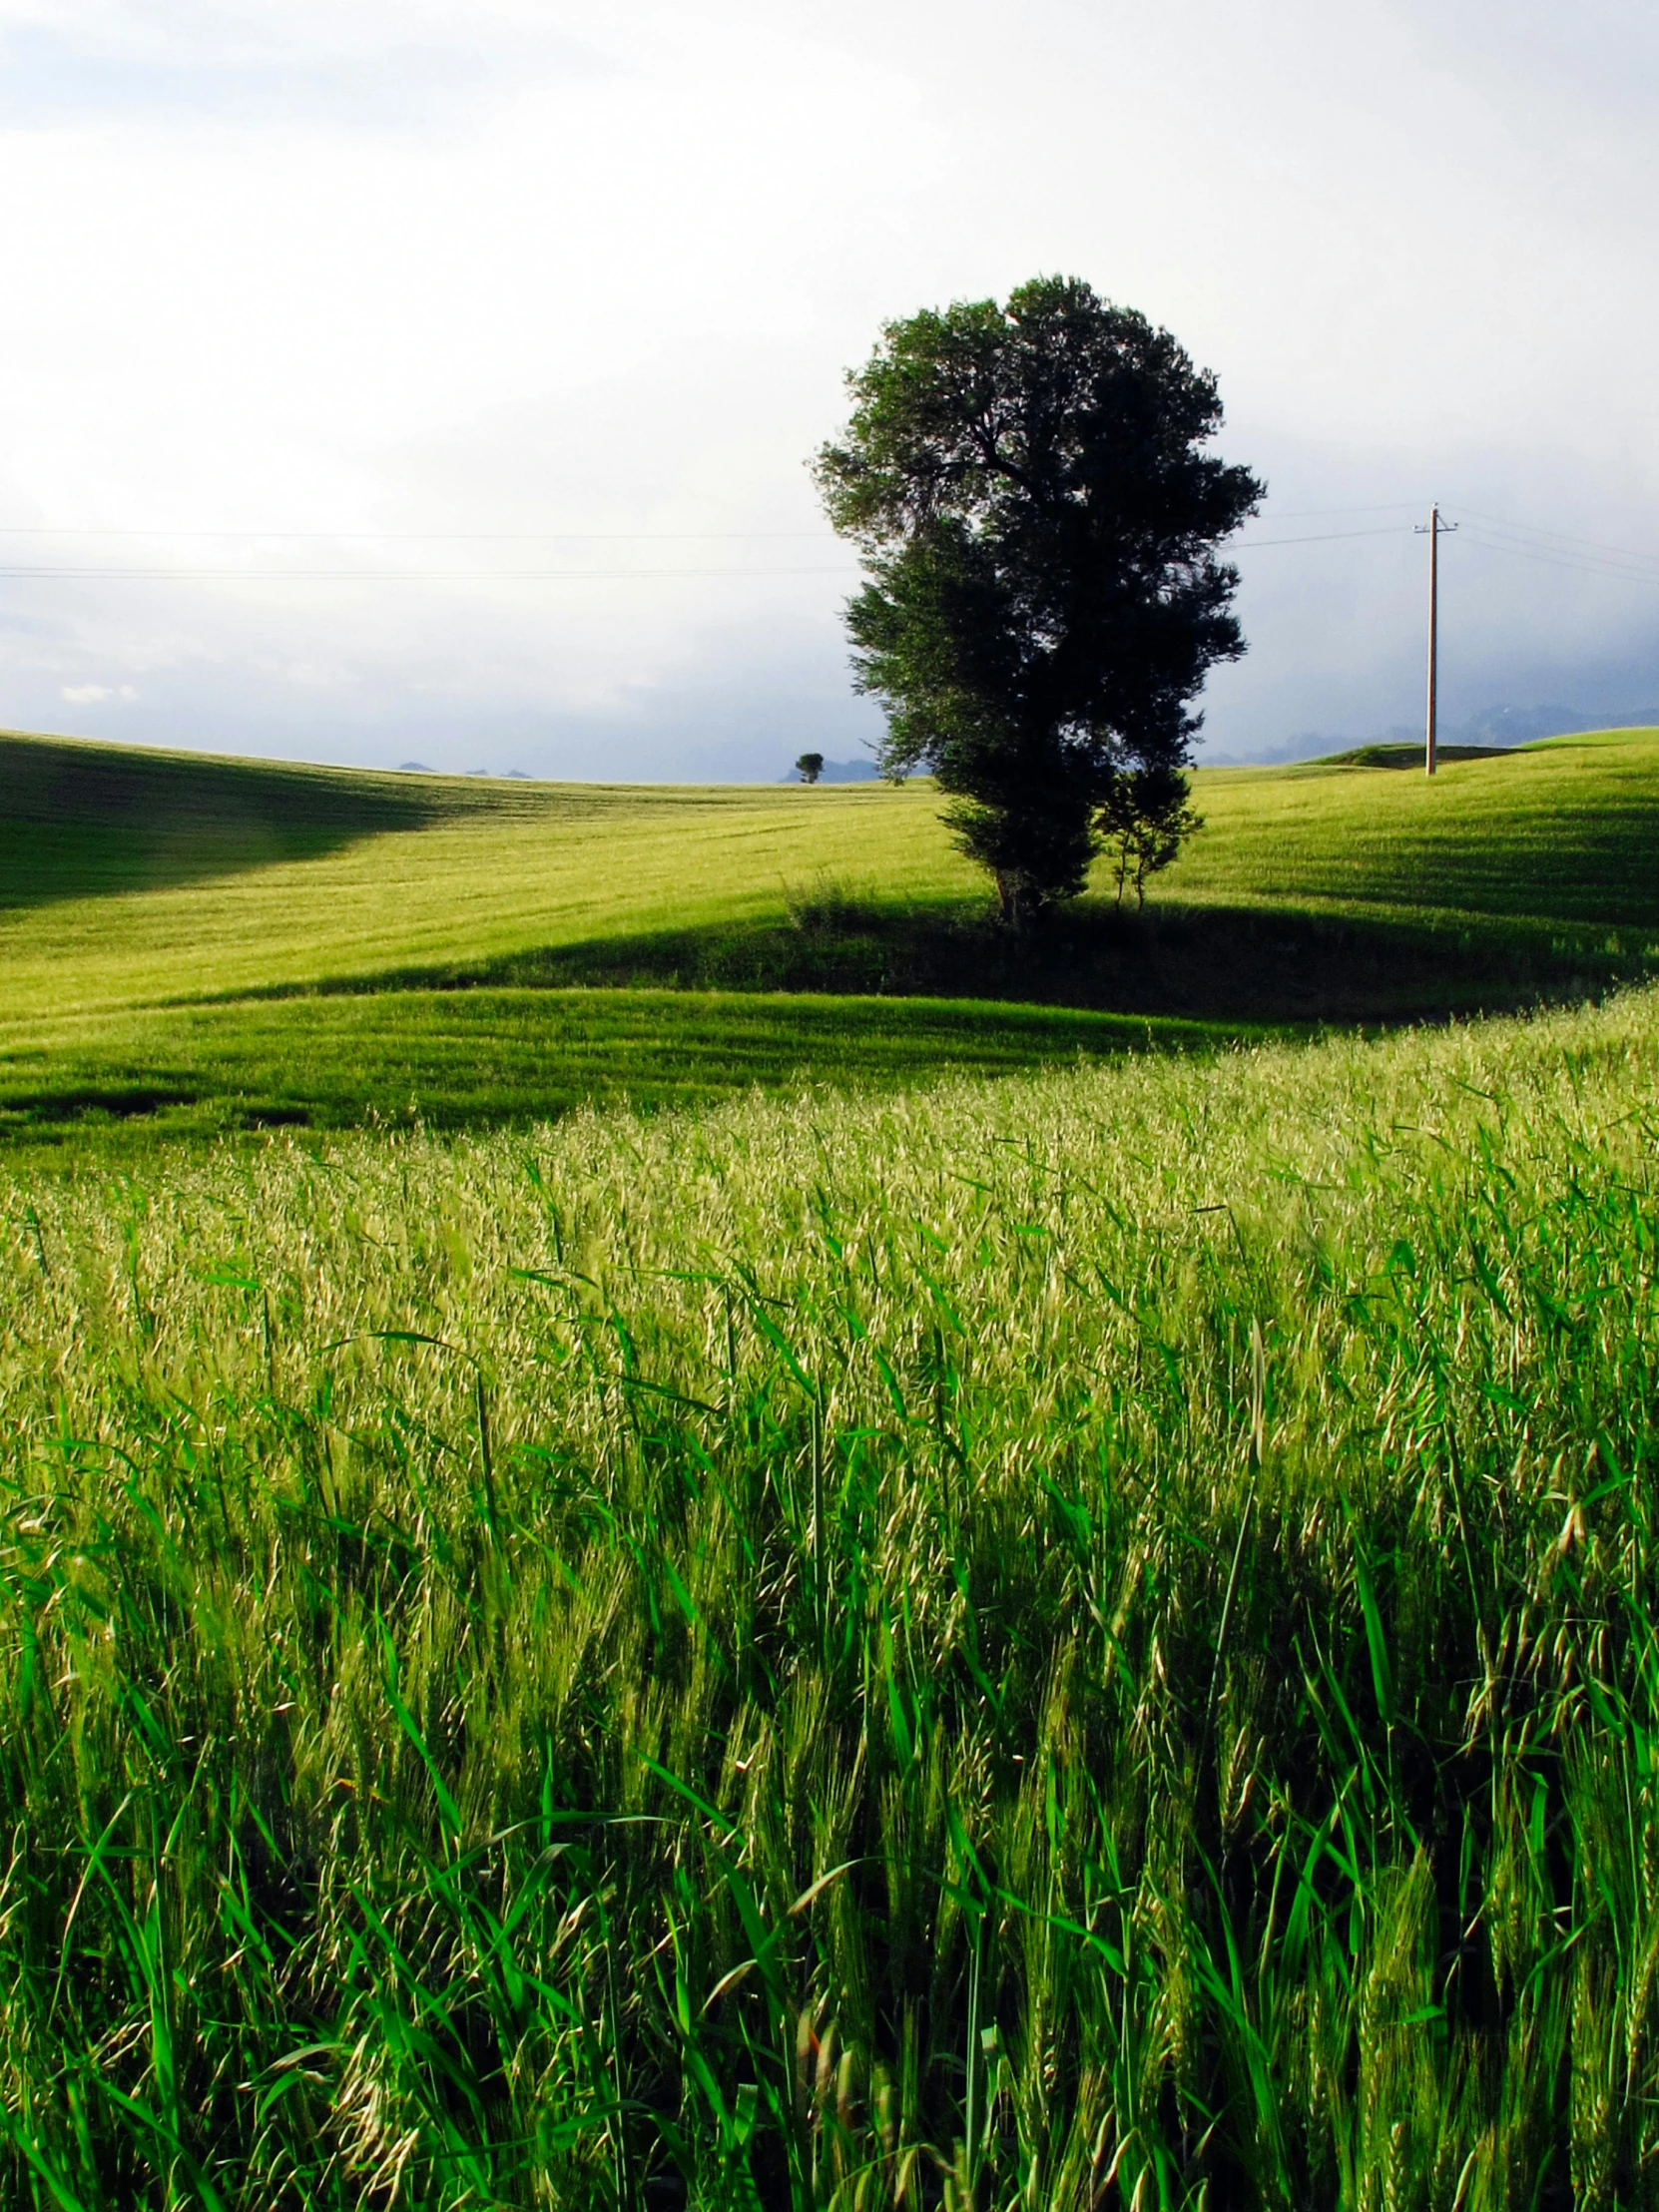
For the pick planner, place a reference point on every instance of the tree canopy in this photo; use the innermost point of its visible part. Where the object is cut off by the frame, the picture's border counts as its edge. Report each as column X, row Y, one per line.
column 1038, row 521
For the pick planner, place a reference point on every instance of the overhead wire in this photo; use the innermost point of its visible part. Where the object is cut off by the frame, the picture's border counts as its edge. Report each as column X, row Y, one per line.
column 413, row 537
column 398, row 575
column 106, row 574
column 1526, row 541
column 1555, row 557
column 516, row 537
column 1535, row 530
column 1321, row 537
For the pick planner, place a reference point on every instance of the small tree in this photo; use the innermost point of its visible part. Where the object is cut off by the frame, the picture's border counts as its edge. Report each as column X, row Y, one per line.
column 809, row 766
column 1038, row 519
column 1142, row 821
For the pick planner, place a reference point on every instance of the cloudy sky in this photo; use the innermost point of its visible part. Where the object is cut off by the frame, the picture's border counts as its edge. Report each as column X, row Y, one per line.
column 410, row 380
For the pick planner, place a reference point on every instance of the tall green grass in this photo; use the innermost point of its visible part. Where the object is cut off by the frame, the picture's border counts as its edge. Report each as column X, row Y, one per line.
column 1086, row 1640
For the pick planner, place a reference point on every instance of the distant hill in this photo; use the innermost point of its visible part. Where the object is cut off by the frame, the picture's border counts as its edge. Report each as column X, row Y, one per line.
column 1505, row 726
column 1407, row 756
column 1492, row 729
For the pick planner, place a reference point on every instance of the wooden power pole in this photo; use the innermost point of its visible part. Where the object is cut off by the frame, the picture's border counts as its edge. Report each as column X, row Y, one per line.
column 1435, row 529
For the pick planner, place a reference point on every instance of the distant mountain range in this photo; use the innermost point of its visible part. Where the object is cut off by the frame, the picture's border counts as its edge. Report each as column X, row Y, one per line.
column 420, row 767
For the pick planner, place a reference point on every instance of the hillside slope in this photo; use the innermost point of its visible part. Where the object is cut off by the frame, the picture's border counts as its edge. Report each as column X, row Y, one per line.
column 139, row 886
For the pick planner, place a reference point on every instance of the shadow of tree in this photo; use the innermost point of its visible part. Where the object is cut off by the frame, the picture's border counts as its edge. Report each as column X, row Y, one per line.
column 1247, row 964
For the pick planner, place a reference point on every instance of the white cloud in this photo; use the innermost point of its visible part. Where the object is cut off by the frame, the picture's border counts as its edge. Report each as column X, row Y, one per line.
column 609, row 278
column 95, row 695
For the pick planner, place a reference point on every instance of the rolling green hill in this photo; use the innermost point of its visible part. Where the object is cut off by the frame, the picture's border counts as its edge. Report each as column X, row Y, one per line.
column 176, row 931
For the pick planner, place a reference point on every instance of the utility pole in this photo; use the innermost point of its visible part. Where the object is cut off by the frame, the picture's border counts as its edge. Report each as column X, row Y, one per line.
column 1435, row 529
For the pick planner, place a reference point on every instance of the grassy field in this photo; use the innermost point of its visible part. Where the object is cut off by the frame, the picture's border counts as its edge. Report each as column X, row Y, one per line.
column 171, row 929
column 1078, row 1640
column 275, row 878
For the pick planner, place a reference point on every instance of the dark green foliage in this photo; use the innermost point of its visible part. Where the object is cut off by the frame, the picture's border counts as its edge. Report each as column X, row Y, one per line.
column 1038, row 520
column 809, row 766
column 1143, row 821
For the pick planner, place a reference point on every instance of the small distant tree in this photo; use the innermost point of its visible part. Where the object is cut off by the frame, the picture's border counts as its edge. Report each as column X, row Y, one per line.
column 809, row 766
column 1038, row 516
column 1142, row 823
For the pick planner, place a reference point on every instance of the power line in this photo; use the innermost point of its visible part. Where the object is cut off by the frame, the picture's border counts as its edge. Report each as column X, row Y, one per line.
column 1309, row 515
column 418, row 537
column 521, row 537
column 1321, row 537
column 1532, row 530
column 396, row 574
column 1558, row 549
column 1561, row 557
column 64, row 569
column 1551, row 557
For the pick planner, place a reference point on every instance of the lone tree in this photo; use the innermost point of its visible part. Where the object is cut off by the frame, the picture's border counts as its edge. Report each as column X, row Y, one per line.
column 809, row 766
column 1039, row 525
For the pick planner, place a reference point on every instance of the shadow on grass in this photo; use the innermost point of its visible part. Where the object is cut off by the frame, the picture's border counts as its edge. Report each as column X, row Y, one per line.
column 1235, row 964
column 84, row 821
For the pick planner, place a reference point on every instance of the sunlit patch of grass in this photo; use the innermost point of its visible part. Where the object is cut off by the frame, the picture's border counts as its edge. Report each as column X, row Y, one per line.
column 1557, row 833
column 282, row 878
column 1084, row 1639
